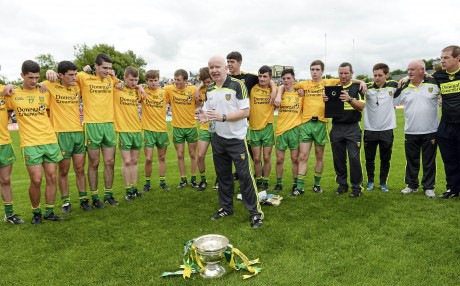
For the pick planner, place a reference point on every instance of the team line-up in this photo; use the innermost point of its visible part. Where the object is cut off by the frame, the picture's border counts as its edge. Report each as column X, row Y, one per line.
column 236, row 114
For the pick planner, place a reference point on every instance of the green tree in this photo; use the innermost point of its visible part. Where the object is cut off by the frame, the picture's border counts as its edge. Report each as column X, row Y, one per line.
column 364, row 78
column 429, row 64
column 85, row 55
column 46, row 62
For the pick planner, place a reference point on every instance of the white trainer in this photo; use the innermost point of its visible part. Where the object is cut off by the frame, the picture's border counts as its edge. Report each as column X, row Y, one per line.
column 408, row 190
column 430, row 193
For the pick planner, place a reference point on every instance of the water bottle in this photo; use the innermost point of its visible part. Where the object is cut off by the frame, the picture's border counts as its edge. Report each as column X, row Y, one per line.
column 212, row 126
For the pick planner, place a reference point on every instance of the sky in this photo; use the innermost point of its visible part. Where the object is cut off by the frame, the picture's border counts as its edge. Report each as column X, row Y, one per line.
column 181, row 34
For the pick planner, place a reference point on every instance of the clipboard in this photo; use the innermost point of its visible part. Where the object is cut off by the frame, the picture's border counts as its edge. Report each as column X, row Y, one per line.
column 334, row 107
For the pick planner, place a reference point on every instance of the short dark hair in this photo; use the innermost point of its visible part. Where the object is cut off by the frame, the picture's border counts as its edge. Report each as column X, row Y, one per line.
column 152, row 74
column 317, row 63
column 455, row 50
column 29, row 66
column 66, row 66
column 101, row 58
column 265, row 69
column 181, row 72
column 131, row 71
column 345, row 64
column 381, row 66
column 287, row 71
column 204, row 73
column 235, row 56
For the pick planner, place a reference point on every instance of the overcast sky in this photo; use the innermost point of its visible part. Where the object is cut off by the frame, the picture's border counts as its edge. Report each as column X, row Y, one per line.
column 183, row 34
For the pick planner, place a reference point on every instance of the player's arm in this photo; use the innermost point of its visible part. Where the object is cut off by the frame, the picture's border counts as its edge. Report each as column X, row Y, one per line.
column 277, row 100
column 8, row 90
column 362, row 84
column 356, row 104
column 273, row 92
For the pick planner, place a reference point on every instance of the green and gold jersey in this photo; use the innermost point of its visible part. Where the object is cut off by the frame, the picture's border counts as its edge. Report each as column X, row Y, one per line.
column 31, row 107
column 183, row 105
column 289, row 112
column 203, row 126
column 313, row 104
column 261, row 111
column 97, row 94
column 126, row 108
column 64, row 107
column 4, row 133
column 154, row 110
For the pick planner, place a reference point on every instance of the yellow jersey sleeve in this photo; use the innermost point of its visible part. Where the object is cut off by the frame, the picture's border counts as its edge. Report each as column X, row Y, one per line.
column 97, row 95
column 126, row 109
column 4, row 133
column 183, row 106
column 31, row 107
column 203, row 126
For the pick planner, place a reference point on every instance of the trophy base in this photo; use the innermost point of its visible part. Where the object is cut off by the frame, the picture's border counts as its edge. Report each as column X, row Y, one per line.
column 213, row 272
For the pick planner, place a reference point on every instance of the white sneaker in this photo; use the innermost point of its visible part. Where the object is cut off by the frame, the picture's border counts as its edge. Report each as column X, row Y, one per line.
column 408, row 190
column 430, row 193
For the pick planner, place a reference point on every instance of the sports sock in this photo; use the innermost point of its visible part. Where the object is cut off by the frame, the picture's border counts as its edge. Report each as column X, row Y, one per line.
column 300, row 181
column 94, row 195
column 317, row 178
column 8, row 208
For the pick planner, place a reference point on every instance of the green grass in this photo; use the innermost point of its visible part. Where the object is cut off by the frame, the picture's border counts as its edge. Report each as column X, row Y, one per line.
column 377, row 239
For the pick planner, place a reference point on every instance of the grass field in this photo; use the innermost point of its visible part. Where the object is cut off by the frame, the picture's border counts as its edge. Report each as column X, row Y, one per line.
column 313, row 239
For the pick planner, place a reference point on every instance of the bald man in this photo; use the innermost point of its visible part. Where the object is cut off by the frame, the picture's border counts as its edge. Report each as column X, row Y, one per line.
column 227, row 104
column 420, row 98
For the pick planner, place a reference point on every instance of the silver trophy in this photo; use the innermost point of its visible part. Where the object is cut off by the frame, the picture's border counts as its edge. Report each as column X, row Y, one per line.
column 211, row 248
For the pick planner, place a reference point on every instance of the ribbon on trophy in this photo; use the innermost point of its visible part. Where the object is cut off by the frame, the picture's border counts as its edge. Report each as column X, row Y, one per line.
column 233, row 253
column 192, row 263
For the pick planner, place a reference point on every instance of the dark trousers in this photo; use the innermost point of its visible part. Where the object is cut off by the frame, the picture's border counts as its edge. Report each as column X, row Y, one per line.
column 448, row 137
column 346, row 138
column 426, row 144
column 383, row 140
column 228, row 151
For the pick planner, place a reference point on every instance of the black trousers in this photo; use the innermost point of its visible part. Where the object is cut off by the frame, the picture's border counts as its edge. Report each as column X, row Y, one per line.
column 448, row 137
column 228, row 151
column 346, row 138
column 384, row 141
column 426, row 144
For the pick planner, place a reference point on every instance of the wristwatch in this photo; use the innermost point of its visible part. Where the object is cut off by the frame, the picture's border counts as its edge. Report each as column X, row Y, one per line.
column 350, row 100
column 224, row 117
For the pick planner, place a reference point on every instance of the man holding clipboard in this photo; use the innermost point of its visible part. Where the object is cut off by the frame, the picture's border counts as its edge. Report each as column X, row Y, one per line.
column 345, row 135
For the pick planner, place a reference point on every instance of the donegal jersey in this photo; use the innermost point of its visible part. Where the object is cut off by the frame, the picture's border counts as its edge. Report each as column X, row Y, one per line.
column 313, row 104
column 34, row 124
column 97, row 94
column 449, row 83
column 126, row 108
column 350, row 115
column 261, row 111
column 379, row 113
column 183, row 105
column 64, row 107
column 420, row 106
column 154, row 110
column 289, row 112
column 203, row 126
column 4, row 133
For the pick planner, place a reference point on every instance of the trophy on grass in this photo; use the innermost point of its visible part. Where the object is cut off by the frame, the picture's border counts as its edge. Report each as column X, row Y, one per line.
column 210, row 249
